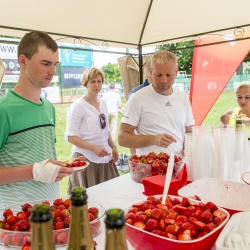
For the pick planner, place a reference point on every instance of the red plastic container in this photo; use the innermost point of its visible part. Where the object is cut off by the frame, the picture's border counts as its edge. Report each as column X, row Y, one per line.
column 141, row 239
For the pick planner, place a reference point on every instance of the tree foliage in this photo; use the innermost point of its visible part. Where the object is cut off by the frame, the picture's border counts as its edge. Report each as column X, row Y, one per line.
column 112, row 72
column 183, row 51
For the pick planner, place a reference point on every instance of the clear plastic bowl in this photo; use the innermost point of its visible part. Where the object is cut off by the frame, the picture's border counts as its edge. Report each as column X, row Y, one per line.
column 15, row 238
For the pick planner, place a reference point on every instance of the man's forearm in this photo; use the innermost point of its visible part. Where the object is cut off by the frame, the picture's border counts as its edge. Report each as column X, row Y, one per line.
column 14, row 174
column 130, row 140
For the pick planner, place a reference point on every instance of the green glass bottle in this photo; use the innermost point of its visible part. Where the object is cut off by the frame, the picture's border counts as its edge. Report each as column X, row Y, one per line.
column 80, row 237
column 238, row 125
column 115, row 230
column 42, row 232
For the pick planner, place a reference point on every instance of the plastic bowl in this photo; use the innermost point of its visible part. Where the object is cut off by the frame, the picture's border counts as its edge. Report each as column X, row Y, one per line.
column 138, row 171
column 150, row 241
column 227, row 194
column 15, row 238
column 240, row 224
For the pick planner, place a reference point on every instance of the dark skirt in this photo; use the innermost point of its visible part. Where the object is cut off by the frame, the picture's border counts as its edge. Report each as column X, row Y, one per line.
column 94, row 174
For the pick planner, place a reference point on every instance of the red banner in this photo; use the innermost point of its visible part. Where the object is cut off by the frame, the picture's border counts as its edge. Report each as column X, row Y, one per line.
column 213, row 66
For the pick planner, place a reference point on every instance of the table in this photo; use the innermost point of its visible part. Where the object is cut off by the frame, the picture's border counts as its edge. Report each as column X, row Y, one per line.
column 120, row 192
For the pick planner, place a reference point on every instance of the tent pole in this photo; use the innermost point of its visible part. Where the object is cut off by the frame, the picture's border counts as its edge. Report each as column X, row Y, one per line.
column 140, row 63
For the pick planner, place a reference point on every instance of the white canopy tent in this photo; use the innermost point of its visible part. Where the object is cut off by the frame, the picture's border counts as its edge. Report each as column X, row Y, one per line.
column 127, row 24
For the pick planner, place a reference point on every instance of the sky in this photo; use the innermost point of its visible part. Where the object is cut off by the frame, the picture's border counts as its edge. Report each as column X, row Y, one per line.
column 101, row 59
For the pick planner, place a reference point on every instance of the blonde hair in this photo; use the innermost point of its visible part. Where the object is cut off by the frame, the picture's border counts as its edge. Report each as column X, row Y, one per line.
column 164, row 57
column 90, row 73
column 245, row 84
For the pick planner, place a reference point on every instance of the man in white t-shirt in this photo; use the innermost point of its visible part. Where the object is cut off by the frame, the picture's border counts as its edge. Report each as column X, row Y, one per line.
column 157, row 117
column 114, row 105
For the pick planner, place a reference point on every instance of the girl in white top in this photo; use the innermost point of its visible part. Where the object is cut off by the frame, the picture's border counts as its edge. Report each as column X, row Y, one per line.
column 87, row 130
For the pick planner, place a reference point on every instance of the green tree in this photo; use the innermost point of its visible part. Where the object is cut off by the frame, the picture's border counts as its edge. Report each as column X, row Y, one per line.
column 184, row 52
column 112, row 72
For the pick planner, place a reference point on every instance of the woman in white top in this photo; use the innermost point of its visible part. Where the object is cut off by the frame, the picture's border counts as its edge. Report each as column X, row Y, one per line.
column 87, row 130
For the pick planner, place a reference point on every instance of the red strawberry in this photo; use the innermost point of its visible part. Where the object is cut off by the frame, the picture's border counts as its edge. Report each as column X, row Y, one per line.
column 67, row 203
column 59, row 225
column 64, row 213
column 26, row 240
column 91, row 217
column 58, row 202
column 61, row 207
column 46, row 203
column 7, row 239
column 25, row 207
column 94, row 211
column 17, row 239
column 67, row 221
column 23, row 225
column 62, row 238
column 7, row 226
column 7, row 212
column 22, row 215
column 58, row 219
column 14, row 227
column 11, row 219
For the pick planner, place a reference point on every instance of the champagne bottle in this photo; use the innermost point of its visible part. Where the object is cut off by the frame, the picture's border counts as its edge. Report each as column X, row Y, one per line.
column 238, row 125
column 115, row 230
column 80, row 237
column 42, row 232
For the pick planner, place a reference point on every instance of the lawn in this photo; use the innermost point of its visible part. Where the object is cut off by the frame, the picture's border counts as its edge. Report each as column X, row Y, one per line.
column 225, row 101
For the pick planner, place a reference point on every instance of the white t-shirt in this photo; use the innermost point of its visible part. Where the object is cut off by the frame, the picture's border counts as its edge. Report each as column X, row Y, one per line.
column 83, row 121
column 151, row 114
column 112, row 100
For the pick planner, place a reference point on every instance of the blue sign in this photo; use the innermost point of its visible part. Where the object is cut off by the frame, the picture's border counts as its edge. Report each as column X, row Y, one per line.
column 70, row 57
column 71, row 76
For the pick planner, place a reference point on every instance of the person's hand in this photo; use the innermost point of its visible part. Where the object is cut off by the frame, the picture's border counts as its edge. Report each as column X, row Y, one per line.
column 225, row 119
column 164, row 140
column 99, row 151
column 115, row 154
column 63, row 171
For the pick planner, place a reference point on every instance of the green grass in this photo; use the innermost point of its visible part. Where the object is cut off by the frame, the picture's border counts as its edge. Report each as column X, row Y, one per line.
column 225, row 101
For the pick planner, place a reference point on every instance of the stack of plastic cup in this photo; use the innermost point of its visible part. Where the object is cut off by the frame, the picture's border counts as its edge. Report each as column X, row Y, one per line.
column 188, row 155
column 240, row 164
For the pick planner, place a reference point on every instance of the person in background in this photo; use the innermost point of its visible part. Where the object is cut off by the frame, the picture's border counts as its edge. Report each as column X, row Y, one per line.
column 114, row 105
column 87, row 130
column 28, row 166
column 158, row 114
column 146, row 82
column 242, row 93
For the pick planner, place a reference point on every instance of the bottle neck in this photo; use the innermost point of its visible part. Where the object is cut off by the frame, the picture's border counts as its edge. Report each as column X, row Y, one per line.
column 80, row 236
column 116, row 239
column 42, row 236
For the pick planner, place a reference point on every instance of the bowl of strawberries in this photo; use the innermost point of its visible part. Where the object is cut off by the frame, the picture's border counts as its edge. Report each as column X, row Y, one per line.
column 15, row 224
column 178, row 223
column 152, row 164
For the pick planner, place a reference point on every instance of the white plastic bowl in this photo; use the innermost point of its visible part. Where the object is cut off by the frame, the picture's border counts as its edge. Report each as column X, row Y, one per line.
column 233, row 196
column 240, row 224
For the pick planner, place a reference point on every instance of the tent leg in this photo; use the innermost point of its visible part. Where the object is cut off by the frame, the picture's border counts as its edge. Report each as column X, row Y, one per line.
column 140, row 63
